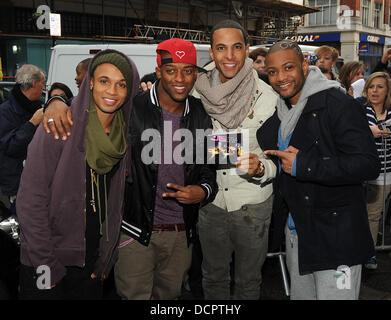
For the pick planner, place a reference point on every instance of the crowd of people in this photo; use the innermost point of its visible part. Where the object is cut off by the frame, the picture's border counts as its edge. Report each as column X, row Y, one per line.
column 98, row 188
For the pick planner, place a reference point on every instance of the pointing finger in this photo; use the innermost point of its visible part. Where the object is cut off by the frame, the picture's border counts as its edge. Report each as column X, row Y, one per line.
column 275, row 153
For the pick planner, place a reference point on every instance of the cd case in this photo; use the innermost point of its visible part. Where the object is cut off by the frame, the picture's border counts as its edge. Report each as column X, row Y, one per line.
column 224, row 148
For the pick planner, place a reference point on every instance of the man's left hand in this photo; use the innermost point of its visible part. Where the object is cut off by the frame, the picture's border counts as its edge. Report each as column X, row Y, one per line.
column 185, row 194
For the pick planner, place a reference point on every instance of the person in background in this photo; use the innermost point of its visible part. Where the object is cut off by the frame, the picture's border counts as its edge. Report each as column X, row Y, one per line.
column 382, row 65
column 377, row 92
column 258, row 56
column 61, row 89
column 327, row 59
column 351, row 72
column 326, row 151
column 20, row 116
column 147, row 80
column 72, row 192
column 81, row 70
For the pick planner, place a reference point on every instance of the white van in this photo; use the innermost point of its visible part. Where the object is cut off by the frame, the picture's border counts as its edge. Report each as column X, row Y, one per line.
column 65, row 58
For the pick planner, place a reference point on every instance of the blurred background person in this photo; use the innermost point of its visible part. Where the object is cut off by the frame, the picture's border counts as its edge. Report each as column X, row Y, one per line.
column 81, row 70
column 351, row 72
column 20, row 116
column 378, row 101
column 327, row 60
column 61, row 89
column 258, row 56
column 382, row 65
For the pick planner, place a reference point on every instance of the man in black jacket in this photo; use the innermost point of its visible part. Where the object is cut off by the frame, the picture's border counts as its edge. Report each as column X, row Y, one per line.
column 20, row 116
column 326, row 151
column 168, row 186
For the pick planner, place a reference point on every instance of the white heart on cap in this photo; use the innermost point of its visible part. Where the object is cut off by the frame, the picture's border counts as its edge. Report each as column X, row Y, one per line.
column 180, row 54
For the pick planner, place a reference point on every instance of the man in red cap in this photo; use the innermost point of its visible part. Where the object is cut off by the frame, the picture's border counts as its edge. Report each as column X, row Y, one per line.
column 162, row 202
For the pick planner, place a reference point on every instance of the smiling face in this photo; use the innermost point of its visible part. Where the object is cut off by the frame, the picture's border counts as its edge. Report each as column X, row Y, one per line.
column 176, row 80
column 229, row 52
column 287, row 73
column 109, row 88
column 377, row 91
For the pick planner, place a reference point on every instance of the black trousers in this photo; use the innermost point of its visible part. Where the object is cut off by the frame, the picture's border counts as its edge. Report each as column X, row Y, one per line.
column 76, row 285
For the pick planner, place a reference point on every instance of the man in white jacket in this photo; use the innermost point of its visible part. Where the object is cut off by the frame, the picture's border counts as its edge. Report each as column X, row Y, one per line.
column 238, row 219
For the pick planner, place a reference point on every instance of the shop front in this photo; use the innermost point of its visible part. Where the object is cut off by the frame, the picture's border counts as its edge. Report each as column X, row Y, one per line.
column 318, row 39
column 370, row 51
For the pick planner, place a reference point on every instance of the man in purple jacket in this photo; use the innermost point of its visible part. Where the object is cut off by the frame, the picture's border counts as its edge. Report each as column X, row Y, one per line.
column 71, row 192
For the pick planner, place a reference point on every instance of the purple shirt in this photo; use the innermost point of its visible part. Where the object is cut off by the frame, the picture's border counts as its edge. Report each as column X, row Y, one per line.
column 168, row 210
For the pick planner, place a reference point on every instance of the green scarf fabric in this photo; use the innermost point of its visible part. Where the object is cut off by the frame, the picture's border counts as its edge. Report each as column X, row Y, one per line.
column 104, row 150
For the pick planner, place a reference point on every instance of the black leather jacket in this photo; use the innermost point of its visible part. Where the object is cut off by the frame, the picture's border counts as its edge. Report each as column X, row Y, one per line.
column 140, row 194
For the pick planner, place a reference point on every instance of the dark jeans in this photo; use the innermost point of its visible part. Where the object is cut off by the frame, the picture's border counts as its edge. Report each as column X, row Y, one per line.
column 76, row 285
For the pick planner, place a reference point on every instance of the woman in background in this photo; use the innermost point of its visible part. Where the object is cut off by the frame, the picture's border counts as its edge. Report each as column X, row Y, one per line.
column 378, row 94
column 350, row 73
column 60, row 89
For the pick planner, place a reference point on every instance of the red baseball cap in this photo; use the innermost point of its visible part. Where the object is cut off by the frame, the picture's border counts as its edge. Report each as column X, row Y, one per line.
column 182, row 51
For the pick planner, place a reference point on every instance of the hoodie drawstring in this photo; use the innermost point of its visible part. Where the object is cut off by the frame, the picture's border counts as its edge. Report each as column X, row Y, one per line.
column 95, row 181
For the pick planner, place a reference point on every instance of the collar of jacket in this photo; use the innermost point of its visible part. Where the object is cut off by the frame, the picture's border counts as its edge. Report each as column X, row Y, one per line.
column 155, row 99
column 23, row 101
column 316, row 102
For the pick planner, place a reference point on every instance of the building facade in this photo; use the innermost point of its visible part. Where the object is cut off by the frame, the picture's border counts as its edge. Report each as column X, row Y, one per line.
column 149, row 21
column 359, row 29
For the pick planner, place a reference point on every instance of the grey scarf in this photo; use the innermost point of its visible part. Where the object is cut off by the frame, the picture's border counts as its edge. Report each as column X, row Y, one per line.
column 229, row 102
column 314, row 83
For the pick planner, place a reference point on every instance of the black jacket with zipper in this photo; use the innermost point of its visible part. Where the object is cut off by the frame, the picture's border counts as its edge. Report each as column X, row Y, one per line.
column 140, row 194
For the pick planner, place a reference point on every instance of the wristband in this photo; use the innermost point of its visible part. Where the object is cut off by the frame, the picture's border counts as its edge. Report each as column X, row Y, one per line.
column 56, row 96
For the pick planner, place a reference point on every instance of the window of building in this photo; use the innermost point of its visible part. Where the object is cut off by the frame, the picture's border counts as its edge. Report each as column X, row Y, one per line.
column 326, row 15
column 23, row 20
column 377, row 15
column 365, row 5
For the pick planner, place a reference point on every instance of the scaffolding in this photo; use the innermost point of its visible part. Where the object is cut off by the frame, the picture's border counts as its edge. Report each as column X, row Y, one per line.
column 156, row 20
column 161, row 33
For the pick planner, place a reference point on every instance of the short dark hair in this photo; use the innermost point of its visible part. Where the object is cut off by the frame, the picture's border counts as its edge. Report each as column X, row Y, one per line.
column 61, row 86
column 85, row 63
column 257, row 52
column 286, row 44
column 224, row 24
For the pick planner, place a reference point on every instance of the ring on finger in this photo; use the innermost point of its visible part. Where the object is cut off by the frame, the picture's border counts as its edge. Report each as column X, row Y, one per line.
column 50, row 120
